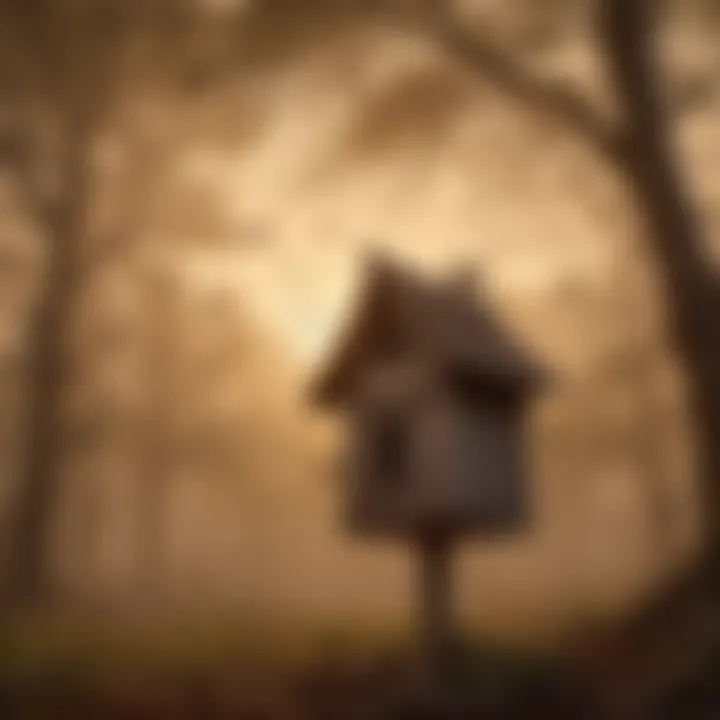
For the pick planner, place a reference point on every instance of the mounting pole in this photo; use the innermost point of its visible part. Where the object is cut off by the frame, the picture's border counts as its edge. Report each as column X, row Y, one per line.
column 436, row 614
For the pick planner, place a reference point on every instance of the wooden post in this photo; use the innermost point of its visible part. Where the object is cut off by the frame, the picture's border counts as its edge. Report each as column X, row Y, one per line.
column 437, row 631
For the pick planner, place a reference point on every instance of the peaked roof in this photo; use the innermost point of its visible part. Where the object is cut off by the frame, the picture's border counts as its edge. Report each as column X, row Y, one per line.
column 443, row 321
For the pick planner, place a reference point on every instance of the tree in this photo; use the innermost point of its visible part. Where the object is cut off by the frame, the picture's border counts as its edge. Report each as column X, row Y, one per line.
column 65, row 67
column 639, row 146
column 57, row 113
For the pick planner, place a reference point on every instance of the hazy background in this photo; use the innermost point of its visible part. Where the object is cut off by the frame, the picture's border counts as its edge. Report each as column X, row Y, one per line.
column 246, row 155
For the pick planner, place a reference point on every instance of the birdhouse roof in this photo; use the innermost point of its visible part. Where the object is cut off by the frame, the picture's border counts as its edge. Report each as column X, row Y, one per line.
column 443, row 322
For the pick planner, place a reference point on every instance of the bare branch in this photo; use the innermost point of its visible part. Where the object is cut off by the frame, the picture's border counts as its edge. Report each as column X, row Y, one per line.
column 59, row 69
column 557, row 99
column 695, row 93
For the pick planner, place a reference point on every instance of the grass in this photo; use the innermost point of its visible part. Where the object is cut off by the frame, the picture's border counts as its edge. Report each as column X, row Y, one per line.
column 77, row 660
column 98, row 648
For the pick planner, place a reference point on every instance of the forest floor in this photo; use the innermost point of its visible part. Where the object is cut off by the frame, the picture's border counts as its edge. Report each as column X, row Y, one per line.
column 61, row 670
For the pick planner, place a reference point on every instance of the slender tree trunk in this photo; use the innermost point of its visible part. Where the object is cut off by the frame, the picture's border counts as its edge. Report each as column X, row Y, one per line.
column 37, row 485
column 626, row 31
column 159, row 444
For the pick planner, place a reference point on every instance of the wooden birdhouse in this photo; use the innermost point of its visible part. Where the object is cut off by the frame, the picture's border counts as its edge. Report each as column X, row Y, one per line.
column 434, row 393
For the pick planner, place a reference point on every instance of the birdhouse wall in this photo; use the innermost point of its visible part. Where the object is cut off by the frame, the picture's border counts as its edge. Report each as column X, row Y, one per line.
column 420, row 458
column 484, row 474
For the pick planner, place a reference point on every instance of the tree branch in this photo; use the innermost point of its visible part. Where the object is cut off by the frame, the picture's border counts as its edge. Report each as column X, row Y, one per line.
column 695, row 93
column 59, row 69
column 555, row 98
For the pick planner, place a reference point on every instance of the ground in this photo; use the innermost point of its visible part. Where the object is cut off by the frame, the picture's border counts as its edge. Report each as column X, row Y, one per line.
column 60, row 670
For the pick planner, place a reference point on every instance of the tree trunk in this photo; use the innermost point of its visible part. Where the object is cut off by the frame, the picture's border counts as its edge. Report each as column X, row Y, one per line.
column 626, row 31
column 37, row 485
column 160, row 443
